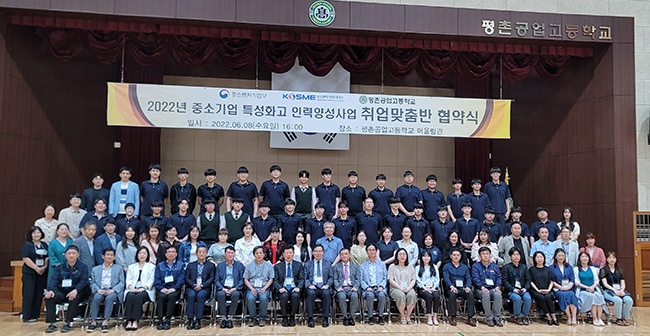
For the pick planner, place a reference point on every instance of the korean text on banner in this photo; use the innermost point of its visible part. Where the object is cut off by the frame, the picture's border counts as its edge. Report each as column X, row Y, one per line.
column 170, row 106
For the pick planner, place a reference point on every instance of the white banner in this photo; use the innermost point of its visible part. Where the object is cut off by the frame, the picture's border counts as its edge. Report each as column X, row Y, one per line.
column 148, row 105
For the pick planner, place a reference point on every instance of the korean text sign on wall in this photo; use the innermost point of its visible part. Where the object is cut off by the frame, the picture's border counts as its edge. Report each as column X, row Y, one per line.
column 170, row 106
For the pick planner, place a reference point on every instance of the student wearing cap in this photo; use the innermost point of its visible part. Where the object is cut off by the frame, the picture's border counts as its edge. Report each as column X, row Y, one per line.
column 97, row 191
column 129, row 220
column 69, row 283
column 210, row 189
column 369, row 221
column 234, row 220
column 346, row 227
column 395, row 219
column 290, row 223
column 73, row 214
column 122, row 192
column 315, row 225
column 244, row 189
column 380, row 196
column 455, row 199
column 494, row 228
column 108, row 239
column 543, row 221
column 264, row 222
column 498, row 192
column 479, row 200
column 353, row 194
column 183, row 219
column 409, row 194
column 304, row 195
column 432, row 198
column 209, row 222
column 156, row 217
column 443, row 226
column 328, row 194
column 153, row 189
column 419, row 226
column 275, row 191
column 182, row 190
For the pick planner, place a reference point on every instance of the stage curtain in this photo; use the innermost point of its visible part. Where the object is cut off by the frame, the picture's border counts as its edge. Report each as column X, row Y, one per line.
column 279, row 56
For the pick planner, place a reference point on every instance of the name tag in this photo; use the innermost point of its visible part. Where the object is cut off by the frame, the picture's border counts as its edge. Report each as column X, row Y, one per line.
column 199, row 281
column 42, row 252
column 489, row 282
column 565, row 282
column 40, row 262
column 617, row 286
column 258, row 283
column 228, row 282
column 66, row 283
column 517, row 284
column 318, row 280
column 288, row 282
column 459, row 283
column 169, row 278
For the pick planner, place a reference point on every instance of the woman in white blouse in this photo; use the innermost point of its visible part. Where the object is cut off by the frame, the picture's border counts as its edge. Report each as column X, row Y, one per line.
column 428, row 284
column 484, row 240
column 139, row 287
column 244, row 246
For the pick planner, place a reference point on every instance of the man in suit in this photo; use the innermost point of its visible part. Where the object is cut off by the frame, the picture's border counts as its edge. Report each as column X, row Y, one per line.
column 107, row 239
column 199, row 278
column 86, row 245
column 288, row 282
column 318, row 281
column 514, row 240
column 107, row 285
column 346, row 282
column 229, row 283
column 69, row 283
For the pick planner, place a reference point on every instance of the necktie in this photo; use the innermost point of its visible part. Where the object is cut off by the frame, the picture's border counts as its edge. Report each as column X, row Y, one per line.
column 236, row 216
column 346, row 274
column 318, row 269
column 289, row 275
column 210, row 217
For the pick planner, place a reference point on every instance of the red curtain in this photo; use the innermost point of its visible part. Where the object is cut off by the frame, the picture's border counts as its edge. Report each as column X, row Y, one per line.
column 140, row 145
column 148, row 49
column 472, row 156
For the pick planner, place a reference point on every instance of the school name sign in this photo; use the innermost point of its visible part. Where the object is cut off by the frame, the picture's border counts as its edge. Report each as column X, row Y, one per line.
column 145, row 105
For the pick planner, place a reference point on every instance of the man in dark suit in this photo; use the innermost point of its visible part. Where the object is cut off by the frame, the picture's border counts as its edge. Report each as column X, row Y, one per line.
column 317, row 285
column 199, row 278
column 229, row 283
column 107, row 239
column 288, row 282
column 345, row 275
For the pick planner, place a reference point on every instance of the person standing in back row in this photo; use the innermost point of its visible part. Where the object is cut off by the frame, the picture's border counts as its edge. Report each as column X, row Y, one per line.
column 499, row 193
column 275, row 191
column 153, row 189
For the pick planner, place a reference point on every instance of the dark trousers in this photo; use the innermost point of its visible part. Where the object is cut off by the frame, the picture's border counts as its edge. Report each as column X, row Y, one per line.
column 432, row 300
column 133, row 305
column 196, row 302
column 221, row 300
column 285, row 297
column 468, row 296
column 60, row 297
column 545, row 302
column 33, row 287
column 326, row 297
column 166, row 303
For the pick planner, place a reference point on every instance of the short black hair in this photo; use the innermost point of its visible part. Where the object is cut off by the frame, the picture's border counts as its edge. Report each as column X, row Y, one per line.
column 495, row 170
column 408, row 173
column 124, row 168
column 182, row 171
column 264, row 204
column 170, row 247
column 352, row 173
column 343, row 204
column 483, row 249
column 28, row 236
column 394, row 199
column 138, row 252
column 242, row 170
column 210, row 172
column 154, row 166
column 303, row 173
column 108, row 249
column 513, row 250
column 229, row 248
column 289, row 201
column 431, row 177
column 326, row 171
column 75, row 195
column 157, row 203
column 209, row 200
column 456, row 180
column 275, row 167
column 380, row 177
column 97, row 174
column 319, row 205
column 476, row 180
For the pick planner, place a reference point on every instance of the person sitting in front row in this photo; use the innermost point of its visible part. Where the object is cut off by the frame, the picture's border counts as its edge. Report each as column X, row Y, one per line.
column 487, row 281
column 516, row 282
column 139, row 285
column 199, row 278
column 288, row 282
column 169, row 279
column 107, row 285
column 229, row 283
column 258, row 277
column 346, row 283
column 69, row 283
column 459, row 284
column 318, row 281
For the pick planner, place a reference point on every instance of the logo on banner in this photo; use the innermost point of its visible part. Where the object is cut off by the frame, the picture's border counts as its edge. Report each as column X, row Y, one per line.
column 363, row 99
column 322, row 13
column 298, row 96
column 224, row 93
column 292, row 136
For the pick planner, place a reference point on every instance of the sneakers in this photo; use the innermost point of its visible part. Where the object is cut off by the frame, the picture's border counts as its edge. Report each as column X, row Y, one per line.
column 105, row 328
column 498, row 323
column 91, row 328
column 66, row 328
column 471, row 322
column 51, row 328
column 252, row 322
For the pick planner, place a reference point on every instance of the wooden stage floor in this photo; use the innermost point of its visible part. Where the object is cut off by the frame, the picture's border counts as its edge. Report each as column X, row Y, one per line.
column 10, row 324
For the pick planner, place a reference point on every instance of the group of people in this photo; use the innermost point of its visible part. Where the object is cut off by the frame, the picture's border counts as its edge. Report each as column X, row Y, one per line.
column 308, row 242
